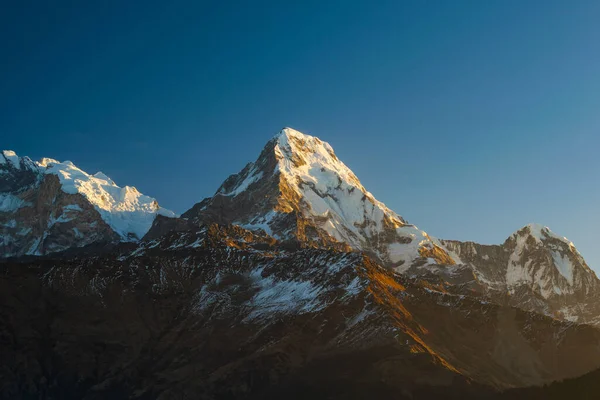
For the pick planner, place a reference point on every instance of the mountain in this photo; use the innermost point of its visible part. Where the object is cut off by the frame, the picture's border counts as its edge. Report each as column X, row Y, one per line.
column 291, row 281
column 223, row 312
column 51, row 206
column 299, row 189
column 534, row 269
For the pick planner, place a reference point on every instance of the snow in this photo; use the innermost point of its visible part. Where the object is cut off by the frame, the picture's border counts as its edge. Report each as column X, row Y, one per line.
column 540, row 232
column 262, row 223
column 522, row 272
column 406, row 251
column 24, row 232
column 252, row 177
column 562, row 262
column 11, row 203
column 127, row 211
column 11, row 224
column 283, row 296
column 45, row 162
column 326, row 194
column 333, row 195
column 563, row 265
column 102, row 176
column 308, row 291
column 535, row 271
column 72, row 207
column 12, row 158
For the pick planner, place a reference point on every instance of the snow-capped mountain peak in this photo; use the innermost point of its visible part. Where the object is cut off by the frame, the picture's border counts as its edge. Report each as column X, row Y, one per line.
column 10, row 157
column 311, row 160
column 540, row 233
column 535, row 269
column 125, row 209
column 51, row 205
column 298, row 188
column 9, row 160
column 534, row 239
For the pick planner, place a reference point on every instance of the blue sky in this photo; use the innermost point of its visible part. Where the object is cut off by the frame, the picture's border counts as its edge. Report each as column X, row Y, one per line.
column 469, row 118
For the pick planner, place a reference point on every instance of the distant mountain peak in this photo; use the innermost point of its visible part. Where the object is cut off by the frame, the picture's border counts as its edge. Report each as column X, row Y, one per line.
column 51, row 205
column 535, row 269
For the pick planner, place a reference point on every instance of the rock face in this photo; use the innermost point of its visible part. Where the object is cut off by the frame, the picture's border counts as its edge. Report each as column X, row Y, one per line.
column 299, row 189
column 49, row 206
column 223, row 312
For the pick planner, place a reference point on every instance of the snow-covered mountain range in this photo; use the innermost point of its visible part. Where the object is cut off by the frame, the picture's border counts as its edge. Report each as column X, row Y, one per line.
column 297, row 190
column 49, row 206
column 292, row 275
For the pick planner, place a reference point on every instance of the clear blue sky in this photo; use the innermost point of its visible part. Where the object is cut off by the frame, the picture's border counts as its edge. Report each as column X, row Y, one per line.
column 469, row 118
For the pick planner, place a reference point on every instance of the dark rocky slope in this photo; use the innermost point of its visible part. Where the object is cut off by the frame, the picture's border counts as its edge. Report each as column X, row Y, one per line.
column 225, row 313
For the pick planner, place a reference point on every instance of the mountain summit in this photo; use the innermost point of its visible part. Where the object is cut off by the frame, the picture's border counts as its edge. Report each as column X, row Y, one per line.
column 299, row 189
column 534, row 269
column 50, row 206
